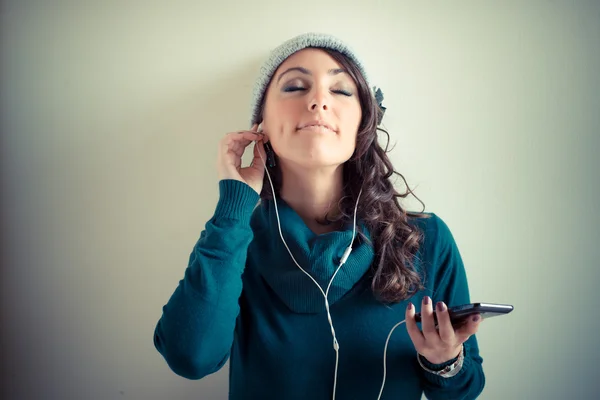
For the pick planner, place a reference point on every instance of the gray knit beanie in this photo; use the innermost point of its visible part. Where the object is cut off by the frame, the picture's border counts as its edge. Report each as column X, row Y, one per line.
column 291, row 46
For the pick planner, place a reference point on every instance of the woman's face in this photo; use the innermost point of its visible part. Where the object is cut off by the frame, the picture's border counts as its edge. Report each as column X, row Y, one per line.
column 312, row 111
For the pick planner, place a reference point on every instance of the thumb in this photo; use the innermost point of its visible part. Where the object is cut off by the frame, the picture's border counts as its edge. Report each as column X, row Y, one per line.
column 468, row 329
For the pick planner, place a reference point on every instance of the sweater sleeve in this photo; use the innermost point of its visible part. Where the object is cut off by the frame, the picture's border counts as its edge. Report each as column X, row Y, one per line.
column 450, row 285
column 195, row 331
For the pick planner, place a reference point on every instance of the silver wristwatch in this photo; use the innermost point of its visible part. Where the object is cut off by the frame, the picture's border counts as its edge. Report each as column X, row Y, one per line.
column 450, row 370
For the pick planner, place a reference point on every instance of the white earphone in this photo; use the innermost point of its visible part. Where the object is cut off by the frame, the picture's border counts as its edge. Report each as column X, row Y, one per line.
column 347, row 252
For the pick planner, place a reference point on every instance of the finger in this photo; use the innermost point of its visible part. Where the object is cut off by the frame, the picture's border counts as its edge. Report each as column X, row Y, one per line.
column 247, row 135
column 413, row 330
column 459, row 323
column 237, row 142
column 469, row 328
column 239, row 139
column 234, row 148
column 254, row 129
column 427, row 321
column 445, row 328
column 260, row 156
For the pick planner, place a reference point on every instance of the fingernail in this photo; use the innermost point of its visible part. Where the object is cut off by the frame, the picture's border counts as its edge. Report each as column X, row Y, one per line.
column 426, row 300
column 440, row 306
column 409, row 306
column 476, row 318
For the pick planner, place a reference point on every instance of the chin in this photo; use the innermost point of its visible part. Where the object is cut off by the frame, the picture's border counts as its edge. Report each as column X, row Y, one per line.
column 312, row 163
column 315, row 155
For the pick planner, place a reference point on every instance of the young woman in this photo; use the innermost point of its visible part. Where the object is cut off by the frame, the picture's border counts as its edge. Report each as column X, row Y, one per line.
column 302, row 292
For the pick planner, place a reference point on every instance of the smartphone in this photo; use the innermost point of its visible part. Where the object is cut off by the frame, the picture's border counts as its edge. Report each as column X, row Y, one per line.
column 460, row 314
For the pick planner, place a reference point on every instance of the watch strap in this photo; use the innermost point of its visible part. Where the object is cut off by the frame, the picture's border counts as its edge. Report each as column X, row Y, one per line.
column 449, row 370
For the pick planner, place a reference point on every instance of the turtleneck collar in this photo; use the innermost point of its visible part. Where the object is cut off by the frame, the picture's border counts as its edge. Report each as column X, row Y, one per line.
column 318, row 255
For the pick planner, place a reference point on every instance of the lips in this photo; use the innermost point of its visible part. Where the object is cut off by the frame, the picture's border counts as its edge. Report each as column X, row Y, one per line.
column 316, row 126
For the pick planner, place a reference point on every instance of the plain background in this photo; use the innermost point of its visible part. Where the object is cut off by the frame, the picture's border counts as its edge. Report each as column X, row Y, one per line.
column 111, row 115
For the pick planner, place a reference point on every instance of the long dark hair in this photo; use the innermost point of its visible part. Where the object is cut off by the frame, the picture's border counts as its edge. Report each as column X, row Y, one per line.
column 395, row 241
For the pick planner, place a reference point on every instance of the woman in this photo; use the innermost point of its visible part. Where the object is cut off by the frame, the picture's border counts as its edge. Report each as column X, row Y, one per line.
column 301, row 292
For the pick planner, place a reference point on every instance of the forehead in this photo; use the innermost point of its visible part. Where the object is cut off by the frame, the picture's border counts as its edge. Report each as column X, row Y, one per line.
column 310, row 58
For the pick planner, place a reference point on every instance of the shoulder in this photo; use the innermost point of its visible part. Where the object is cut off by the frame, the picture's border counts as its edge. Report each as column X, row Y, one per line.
column 438, row 254
column 436, row 232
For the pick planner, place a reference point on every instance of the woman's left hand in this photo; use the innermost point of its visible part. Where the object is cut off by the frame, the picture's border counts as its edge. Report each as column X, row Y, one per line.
column 441, row 344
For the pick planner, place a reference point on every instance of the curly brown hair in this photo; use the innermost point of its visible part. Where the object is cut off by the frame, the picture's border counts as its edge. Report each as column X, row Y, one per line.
column 394, row 276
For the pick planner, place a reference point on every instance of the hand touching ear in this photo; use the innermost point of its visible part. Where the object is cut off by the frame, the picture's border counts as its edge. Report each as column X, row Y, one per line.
column 229, row 158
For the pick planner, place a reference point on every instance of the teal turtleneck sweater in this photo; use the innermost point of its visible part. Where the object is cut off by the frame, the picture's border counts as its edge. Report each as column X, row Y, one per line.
column 243, row 299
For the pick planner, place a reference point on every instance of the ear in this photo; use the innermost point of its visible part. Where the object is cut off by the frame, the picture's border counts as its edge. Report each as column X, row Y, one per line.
column 261, row 121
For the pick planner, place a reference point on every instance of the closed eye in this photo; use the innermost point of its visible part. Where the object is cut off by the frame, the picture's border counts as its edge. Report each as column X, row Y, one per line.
column 343, row 92
column 299, row 88
column 293, row 88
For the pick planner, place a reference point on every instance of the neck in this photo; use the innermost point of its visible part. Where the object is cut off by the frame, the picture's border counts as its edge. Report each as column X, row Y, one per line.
column 312, row 193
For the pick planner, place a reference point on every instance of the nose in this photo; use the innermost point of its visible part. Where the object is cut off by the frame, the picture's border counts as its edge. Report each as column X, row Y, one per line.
column 320, row 101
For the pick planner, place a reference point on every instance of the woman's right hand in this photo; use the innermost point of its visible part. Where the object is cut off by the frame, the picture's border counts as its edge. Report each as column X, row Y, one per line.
column 229, row 159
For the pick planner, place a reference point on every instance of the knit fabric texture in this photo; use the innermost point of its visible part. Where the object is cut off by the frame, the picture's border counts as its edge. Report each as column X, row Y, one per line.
column 243, row 299
column 286, row 49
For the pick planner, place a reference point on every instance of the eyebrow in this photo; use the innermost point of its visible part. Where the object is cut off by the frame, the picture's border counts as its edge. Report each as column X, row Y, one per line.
column 334, row 71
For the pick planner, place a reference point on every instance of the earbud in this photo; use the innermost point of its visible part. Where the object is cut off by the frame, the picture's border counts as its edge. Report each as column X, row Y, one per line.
column 268, row 149
column 270, row 155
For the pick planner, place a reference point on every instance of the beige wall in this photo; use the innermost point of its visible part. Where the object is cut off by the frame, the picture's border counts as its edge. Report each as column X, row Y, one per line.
column 110, row 119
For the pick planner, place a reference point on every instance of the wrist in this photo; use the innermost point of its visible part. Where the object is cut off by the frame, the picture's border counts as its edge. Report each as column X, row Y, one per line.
column 443, row 359
column 445, row 370
column 236, row 200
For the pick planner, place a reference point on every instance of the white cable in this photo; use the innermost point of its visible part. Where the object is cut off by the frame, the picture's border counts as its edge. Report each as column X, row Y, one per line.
column 349, row 248
column 384, row 356
column 336, row 345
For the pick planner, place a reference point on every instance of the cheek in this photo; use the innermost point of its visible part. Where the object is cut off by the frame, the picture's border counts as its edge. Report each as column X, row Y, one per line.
column 280, row 113
column 350, row 118
column 289, row 108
